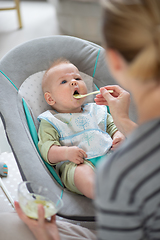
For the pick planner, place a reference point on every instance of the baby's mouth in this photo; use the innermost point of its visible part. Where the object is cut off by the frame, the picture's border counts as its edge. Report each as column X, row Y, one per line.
column 75, row 92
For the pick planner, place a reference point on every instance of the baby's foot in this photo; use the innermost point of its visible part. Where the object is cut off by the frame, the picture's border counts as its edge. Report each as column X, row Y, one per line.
column 3, row 169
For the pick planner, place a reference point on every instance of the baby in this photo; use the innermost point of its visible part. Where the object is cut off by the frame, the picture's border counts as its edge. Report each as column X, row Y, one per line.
column 72, row 135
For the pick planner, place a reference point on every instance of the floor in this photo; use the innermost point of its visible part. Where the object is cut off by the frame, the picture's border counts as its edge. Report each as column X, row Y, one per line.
column 38, row 19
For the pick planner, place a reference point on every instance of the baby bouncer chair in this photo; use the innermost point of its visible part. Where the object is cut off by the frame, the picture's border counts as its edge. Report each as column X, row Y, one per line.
column 21, row 101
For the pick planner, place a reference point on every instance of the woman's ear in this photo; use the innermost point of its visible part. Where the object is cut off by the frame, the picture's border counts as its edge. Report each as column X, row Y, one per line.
column 116, row 63
column 114, row 60
column 49, row 98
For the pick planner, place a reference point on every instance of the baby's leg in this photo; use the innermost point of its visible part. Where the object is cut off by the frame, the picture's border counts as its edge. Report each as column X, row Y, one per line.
column 84, row 180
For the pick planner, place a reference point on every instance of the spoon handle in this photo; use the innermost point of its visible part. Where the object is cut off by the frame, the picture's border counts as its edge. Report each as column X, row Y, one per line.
column 85, row 95
column 95, row 92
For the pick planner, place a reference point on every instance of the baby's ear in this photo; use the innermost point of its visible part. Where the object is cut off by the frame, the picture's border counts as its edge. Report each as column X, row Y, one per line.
column 49, row 98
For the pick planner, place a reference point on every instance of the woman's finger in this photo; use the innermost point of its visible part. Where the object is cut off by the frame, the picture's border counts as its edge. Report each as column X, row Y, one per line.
column 117, row 90
column 101, row 101
column 41, row 215
column 53, row 219
column 108, row 97
column 19, row 211
column 28, row 221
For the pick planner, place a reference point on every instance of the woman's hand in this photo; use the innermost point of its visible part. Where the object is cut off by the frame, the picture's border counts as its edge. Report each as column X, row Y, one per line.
column 118, row 103
column 41, row 228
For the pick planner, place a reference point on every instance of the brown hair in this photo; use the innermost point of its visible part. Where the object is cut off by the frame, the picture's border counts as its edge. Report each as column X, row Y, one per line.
column 132, row 27
column 55, row 63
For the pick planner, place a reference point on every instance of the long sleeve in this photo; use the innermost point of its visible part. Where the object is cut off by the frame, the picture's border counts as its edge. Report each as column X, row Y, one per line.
column 48, row 136
column 128, row 188
column 111, row 127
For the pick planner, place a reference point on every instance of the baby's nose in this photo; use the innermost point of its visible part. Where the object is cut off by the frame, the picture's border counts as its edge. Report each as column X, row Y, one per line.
column 73, row 83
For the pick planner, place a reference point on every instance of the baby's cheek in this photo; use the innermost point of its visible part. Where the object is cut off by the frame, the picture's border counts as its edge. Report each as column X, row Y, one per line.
column 84, row 88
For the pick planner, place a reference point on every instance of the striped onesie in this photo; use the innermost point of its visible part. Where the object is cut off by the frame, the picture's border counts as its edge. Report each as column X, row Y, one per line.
column 128, row 188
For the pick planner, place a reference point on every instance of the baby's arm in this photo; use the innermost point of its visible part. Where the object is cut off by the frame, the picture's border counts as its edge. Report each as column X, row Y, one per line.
column 50, row 148
column 64, row 153
column 112, row 130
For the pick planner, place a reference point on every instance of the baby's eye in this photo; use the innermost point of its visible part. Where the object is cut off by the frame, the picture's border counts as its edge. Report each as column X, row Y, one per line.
column 64, row 81
column 78, row 79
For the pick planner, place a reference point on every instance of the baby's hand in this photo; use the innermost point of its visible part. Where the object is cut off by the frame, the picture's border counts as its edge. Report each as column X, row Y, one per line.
column 118, row 137
column 76, row 154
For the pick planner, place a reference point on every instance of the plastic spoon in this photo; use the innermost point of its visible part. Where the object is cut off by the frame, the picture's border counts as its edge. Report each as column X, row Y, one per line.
column 85, row 95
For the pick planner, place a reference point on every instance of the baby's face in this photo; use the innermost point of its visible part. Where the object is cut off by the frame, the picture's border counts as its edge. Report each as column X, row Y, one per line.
column 66, row 81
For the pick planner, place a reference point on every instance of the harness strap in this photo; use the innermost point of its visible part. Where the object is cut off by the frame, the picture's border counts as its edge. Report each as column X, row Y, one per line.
column 94, row 71
column 95, row 66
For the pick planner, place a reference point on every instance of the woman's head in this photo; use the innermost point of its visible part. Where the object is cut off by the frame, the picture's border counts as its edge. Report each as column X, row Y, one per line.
column 132, row 27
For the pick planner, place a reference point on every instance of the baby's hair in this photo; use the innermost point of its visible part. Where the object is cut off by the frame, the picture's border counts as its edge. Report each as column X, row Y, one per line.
column 55, row 63
column 59, row 61
column 132, row 27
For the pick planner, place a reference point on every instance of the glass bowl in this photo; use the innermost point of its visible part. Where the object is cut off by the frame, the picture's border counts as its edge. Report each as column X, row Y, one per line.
column 30, row 195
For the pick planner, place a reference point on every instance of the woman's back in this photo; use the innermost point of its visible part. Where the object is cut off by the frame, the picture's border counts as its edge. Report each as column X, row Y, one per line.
column 128, row 201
